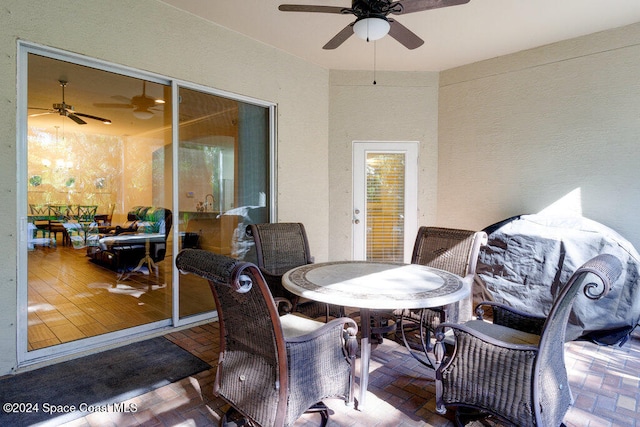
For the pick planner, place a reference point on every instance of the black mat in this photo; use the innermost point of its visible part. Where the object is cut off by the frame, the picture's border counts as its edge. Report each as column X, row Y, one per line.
column 100, row 381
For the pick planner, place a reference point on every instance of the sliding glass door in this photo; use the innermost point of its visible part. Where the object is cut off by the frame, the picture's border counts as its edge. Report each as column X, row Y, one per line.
column 223, row 181
column 116, row 179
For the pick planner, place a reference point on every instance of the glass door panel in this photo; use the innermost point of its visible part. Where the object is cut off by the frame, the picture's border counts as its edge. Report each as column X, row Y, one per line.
column 384, row 200
column 385, row 206
column 108, row 191
column 98, row 222
column 223, row 182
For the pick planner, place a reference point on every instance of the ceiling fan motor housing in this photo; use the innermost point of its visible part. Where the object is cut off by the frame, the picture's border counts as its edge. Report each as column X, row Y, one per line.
column 374, row 8
column 378, row 10
column 62, row 107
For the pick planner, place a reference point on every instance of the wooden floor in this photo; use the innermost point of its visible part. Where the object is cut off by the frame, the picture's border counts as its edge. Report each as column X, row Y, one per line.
column 70, row 297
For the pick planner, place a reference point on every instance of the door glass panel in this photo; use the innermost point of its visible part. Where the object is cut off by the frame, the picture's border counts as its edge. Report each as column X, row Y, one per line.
column 223, row 182
column 99, row 200
column 99, row 218
column 385, row 201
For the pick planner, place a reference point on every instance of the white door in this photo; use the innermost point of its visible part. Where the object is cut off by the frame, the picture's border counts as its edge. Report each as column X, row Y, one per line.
column 385, row 192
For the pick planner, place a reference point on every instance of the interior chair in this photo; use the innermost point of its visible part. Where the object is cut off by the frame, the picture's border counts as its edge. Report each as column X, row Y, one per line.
column 86, row 213
column 272, row 368
column 279, row 248
column 79, row 224
column 60, row 214
column 51, row 218
column 513, row 369
column 41, row 216
column 38, row 237
column 104, row 220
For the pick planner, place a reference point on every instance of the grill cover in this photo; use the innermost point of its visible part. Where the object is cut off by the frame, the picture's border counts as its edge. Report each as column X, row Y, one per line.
column 529, row 257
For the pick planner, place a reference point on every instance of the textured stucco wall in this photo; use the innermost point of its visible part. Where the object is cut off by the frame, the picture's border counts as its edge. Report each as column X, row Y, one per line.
column 149, row 35
column 400, row 107
column 556, row 125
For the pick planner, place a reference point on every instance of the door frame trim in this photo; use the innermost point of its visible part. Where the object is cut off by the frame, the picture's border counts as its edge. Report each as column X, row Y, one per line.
column 411, row 149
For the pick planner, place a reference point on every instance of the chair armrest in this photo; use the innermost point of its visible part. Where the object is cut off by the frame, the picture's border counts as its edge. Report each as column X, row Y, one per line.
column 342, row 322
column 512, row 317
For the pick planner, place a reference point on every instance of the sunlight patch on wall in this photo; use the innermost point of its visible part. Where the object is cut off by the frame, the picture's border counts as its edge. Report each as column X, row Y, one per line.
column 569, row 204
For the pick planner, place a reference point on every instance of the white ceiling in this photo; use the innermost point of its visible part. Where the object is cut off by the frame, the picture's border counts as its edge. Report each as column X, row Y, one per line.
column 453, row 36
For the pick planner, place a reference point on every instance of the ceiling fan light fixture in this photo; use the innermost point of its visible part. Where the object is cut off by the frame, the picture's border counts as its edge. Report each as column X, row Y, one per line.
column 371, row 29
column 142, row 114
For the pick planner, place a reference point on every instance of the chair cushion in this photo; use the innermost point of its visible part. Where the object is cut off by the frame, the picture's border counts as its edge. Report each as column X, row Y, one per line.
column 503, row 333
column 294, row 325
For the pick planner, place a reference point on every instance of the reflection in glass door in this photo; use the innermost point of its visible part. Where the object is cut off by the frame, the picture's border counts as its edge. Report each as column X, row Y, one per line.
column 223, row 182
column 98, row 222
column 113, row 185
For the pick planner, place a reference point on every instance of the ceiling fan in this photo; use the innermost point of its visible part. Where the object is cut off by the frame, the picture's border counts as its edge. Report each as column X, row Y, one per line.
column 372, row 19
column 142, row 104
column 67, row 110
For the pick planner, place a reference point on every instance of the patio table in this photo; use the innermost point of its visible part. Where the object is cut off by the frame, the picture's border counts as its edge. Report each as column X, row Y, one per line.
column 374, row 285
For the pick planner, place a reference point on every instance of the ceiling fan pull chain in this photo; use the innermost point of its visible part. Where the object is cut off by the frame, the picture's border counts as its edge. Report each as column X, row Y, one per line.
column 374, row 63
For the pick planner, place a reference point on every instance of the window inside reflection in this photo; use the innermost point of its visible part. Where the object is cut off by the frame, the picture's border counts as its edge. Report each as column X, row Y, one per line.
column 100, row 168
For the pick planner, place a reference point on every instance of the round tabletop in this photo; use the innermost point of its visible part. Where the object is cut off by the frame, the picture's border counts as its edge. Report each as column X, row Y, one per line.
column 376, row 285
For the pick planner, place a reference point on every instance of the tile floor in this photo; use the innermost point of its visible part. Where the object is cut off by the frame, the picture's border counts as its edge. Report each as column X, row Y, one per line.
column 605, row 382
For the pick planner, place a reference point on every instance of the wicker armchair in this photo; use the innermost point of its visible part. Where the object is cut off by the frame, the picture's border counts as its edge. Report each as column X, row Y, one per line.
column 279, row 248
column 512, row 372
column 449, row 249
column 272, row 369
column 455, row 251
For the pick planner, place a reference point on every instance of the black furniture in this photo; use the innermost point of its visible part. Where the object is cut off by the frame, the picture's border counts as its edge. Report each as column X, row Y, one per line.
column 142, row 240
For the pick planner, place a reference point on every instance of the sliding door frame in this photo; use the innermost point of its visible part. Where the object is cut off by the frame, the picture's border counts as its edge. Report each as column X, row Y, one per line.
column 112, row 339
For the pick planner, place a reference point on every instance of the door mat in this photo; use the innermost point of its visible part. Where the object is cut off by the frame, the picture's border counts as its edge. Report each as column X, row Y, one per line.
column 97, row 383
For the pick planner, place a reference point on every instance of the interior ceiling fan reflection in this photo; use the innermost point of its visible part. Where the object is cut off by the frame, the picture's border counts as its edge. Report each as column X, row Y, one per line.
column 142, row 105
column 372, row 19
column 67, row 110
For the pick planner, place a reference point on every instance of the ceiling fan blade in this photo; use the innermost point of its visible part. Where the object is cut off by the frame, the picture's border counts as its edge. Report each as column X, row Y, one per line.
column 405, row 36
column 76, row 119
column 339, row 38
column 89, row 116
column 411, row 6
column 308, row 8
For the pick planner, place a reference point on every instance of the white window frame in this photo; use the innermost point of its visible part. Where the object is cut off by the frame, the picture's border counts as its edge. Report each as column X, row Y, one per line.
column 26, row 357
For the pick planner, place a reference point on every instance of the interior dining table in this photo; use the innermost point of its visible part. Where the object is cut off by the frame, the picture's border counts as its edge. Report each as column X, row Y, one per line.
column 371, row 285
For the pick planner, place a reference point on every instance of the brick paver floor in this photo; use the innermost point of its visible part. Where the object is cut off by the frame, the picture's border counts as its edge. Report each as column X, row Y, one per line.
column 605, row 382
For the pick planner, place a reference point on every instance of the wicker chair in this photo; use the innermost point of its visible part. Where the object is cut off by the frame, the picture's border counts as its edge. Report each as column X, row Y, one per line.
column 272, row 369
column 513, row 369
column 455, row 251
column 450, row 249
column 279, row 248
